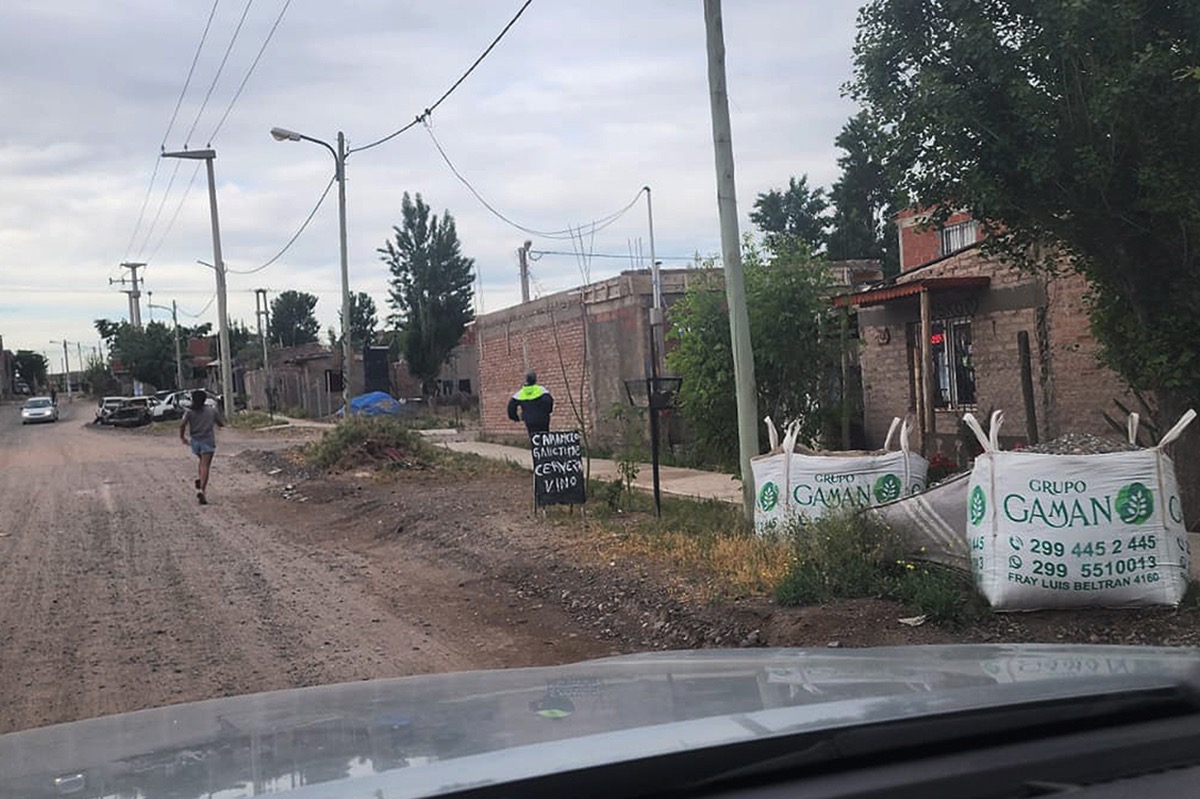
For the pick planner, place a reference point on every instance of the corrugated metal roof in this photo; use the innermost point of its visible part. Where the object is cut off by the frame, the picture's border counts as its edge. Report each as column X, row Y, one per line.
column 884, row 294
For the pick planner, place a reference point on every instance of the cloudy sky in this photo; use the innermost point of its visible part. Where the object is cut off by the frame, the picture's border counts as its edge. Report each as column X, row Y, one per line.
column 578, row 107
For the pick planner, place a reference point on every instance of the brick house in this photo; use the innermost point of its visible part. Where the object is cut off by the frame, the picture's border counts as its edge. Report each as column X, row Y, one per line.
column 964, row 314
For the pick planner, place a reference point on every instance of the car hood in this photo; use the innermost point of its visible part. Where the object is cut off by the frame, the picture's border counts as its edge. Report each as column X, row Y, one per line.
column 427, row 735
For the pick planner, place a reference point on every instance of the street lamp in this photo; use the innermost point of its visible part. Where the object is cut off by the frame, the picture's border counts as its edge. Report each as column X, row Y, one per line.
column 175, row 323
column 339, row 160
column 659, row 395
column 219, row 267
column 66, row 364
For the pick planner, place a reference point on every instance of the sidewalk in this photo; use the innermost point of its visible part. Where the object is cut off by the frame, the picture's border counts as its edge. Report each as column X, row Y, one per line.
column 673, row 481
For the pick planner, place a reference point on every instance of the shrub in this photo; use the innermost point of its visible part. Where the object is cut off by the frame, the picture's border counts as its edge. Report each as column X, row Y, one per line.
column 853, row 555
column 361, row 440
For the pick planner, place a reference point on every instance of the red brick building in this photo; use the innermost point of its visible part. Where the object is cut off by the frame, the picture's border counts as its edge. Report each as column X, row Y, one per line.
column 942, row 338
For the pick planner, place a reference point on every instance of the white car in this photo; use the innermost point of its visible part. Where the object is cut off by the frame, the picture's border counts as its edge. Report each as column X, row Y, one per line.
column 39, row 409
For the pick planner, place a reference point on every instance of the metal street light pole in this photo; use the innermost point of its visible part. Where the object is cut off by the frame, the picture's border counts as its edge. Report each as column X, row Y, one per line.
column 66, row 364
column 339, row 159
column 175, row 324
column 219, row 267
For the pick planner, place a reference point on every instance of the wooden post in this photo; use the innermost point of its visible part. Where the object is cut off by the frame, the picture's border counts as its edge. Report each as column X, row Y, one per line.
column 1031, row 430
column 927, row 377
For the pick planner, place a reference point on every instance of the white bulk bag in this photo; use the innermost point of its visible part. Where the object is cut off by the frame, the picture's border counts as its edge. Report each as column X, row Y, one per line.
column 771, row 480
column 825, row 483
column 1062, row 531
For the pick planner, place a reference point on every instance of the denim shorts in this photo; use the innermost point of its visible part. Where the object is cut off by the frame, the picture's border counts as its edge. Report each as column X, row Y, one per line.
column 200, row 447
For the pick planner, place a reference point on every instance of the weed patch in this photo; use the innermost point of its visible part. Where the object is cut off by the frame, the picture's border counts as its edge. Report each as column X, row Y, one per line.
column 853, row 556
column 252, row 420
column 363, row 441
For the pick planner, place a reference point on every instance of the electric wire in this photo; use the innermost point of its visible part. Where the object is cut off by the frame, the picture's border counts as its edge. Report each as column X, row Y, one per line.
column 191, row 71
column 626, row 257
column 199, row 313
column 220, row 68
column 562, row 235
column 157, row 161
column 250, row 71
column 429, row 110
column 292, row 240
column 158, row 213
column 175, row 216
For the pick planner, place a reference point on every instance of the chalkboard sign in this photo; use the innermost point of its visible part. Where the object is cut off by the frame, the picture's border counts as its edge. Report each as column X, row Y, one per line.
column 558, row 477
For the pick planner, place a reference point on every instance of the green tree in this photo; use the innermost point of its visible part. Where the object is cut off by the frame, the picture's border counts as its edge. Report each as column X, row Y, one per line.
column 1070, row 129
column 786, row 296
column 148, row 353
column 292, row 319
column 794, row 215
column 32, row 367
column 98, row 377
column 430, row 289
column 863, row 199
column 363, row 319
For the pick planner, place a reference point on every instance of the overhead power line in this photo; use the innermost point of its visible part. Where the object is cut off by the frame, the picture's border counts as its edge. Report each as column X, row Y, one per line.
column 175, row 216
column 220, row 67
column 199, row 313
column 191, row 71
column 250, row 71
column 565, row 234
column 430, row 109
column 170, row 124
column 626, row 257
column 292, row 240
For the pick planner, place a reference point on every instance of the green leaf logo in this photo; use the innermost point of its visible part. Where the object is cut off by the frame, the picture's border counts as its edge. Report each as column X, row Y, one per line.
column 1135, row 503
column 888, row 488
column 978, row 506
column 768, row 498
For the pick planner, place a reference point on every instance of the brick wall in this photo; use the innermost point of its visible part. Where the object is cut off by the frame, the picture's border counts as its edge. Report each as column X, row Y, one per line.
column 1078, row 387
column 531, row 336
column 918, row 244
column 608, row 321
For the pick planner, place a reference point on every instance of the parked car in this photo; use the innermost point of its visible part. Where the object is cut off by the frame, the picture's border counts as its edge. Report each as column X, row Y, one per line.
column 39, row 409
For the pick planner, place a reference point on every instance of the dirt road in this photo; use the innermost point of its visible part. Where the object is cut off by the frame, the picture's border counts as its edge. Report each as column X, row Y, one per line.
column 119, row 592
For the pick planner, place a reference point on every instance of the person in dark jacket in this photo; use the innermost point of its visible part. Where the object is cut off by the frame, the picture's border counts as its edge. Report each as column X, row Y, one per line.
column 532, row 405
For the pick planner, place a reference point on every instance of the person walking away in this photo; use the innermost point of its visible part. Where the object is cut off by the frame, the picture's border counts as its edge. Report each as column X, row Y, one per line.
column 201, row 420
column 532, row 405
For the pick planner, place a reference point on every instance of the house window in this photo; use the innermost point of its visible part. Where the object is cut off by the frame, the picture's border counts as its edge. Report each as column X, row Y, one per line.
column 953, row 366
column 955, row 237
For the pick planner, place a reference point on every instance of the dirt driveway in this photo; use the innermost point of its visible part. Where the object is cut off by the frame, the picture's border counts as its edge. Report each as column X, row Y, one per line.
column 119, row 592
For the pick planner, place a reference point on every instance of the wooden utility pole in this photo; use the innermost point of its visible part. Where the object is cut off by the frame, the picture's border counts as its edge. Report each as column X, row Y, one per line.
column 735, row 287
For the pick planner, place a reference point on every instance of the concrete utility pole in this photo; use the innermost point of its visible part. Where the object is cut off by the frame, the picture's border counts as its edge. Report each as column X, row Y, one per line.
column 261, row 314
column 523, row 256
column 66, row 364
column 735, row 288
column 218, row 265
column 134, row 292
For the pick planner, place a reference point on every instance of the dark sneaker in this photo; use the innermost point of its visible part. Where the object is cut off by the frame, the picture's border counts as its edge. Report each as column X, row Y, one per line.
column 197, row 483
column 200, row 497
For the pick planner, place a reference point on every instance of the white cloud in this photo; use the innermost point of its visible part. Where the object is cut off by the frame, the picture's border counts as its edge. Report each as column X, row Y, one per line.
column 578, row 108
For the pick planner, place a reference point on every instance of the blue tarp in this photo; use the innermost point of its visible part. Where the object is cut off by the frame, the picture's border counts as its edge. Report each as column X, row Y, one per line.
column 376, row 403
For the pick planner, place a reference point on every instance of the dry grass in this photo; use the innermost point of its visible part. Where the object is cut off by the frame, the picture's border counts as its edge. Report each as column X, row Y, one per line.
column 703, row 548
